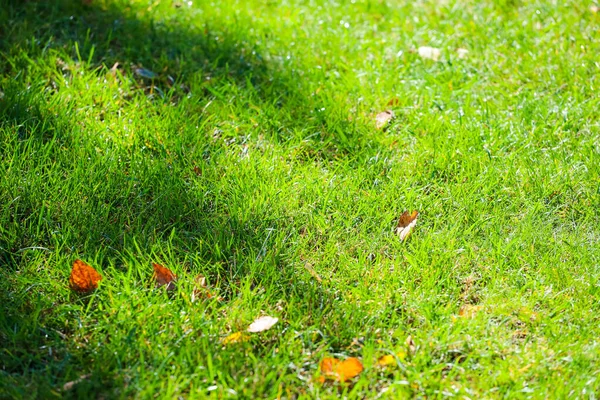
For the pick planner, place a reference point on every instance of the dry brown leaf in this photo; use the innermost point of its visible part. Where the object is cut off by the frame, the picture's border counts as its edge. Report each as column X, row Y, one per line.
column 164, row 276
column 382, row 119
column 406, row 224
column 262, row 324
column 84, row 278
column 236, row 337
column 337, row 370
column 430, row 53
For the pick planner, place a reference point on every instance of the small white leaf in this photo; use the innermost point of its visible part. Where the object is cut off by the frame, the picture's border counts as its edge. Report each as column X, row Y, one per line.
column 429, row 52
column 262, row 324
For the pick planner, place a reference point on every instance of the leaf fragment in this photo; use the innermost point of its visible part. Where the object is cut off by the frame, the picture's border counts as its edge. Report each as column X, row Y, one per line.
column 84, row 278
column 164, row 276
column 406, row 224
column 262, row 324
column 334, row 369
column 430, row 53
column 382, row 119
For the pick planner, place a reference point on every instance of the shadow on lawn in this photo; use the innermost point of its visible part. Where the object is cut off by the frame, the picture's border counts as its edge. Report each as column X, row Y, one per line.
column 175, row 54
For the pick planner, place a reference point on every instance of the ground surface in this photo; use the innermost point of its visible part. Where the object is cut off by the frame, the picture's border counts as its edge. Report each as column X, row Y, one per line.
column 237, row 140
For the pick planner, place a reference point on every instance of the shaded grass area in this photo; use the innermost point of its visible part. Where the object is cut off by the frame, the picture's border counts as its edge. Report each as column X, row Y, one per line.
column 236, row 140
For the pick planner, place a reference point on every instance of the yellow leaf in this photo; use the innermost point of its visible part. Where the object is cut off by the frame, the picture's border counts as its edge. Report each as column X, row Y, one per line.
column 236, row 337
column 386, row 360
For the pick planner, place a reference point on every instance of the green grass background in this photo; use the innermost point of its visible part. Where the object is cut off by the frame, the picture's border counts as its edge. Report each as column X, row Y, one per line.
column 252, row 157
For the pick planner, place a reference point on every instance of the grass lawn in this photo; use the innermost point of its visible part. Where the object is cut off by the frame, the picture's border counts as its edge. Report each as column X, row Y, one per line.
column 237, row 140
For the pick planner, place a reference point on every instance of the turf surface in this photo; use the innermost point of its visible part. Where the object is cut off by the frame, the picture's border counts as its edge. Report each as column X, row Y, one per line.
column 237, row 140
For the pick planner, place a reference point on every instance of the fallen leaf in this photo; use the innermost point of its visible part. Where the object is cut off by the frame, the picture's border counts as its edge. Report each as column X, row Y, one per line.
column 410, row 343
column 383, row 118
column 429, row 52
column 406, row 224
column 262, row 324
column 341, row 371
column 164, row 276
column 462, row 53
column 84, row 278
column 386, row 360
column 202, row 290
column 69, row 385
column 393, row 102
column 237, row 337
column 469, row 310
column 113, row 70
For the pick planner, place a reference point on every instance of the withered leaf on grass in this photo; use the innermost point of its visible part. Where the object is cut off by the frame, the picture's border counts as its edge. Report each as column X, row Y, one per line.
column 202, row 291
column 382, row 119
column 236, row 337
column 262, row 324
column 337, row 370
column 386, row 360
column 406, row 224
column 84, row 278
column 429, row 52
column 163, row 276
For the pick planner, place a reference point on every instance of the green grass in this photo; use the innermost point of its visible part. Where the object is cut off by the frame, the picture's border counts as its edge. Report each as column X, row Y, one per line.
column 252, row 157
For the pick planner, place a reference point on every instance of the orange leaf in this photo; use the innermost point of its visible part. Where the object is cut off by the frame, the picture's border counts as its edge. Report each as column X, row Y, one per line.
column 164, row 276
column 341, row 371
column 84, row 278
column 406, row 223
